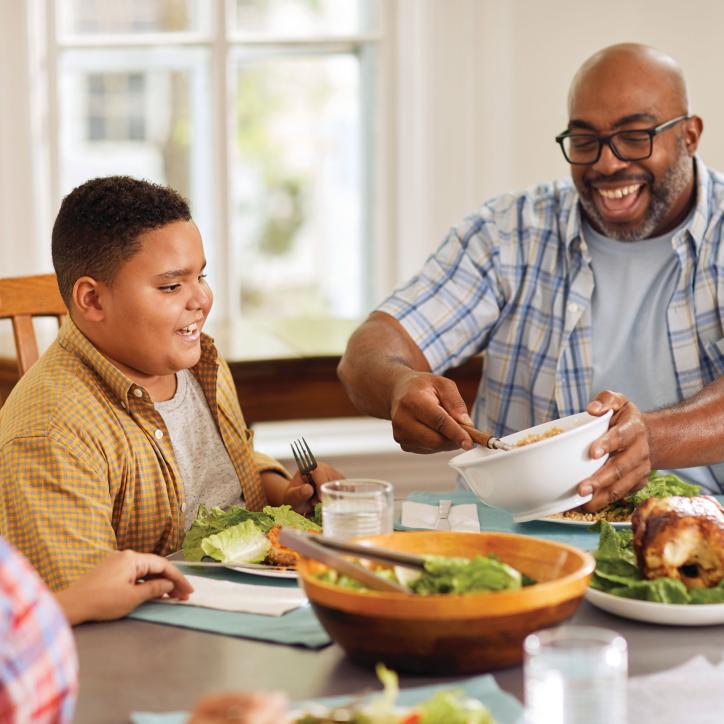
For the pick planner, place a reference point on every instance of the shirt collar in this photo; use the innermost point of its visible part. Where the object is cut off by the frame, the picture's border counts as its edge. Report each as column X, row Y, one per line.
column 696, row 227
column 73, row 340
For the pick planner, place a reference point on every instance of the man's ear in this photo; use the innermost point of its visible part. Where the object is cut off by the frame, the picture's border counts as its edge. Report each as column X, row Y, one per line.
column 87, row 299
column 692, row 134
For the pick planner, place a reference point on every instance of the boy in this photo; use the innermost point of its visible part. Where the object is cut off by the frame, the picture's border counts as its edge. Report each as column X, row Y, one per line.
column 130, row 419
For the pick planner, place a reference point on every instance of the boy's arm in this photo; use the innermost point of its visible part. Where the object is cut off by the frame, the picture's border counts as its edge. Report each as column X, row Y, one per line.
column 55, row 507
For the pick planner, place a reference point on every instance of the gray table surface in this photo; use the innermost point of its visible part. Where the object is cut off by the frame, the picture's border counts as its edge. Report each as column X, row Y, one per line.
column 130, row 666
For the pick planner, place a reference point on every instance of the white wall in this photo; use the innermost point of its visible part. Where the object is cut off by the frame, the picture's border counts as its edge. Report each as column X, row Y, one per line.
column 483, row 86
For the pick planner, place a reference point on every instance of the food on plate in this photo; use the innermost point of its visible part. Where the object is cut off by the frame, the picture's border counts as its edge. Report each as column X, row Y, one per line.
column 659, row 485
column 238, row 535
column 550, row 432
column 278, row 554
column 618, row 571
column 446, row 706
column 680, row 538
column 444, row 574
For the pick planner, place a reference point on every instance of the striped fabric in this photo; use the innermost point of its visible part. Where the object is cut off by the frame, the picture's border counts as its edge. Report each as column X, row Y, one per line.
column 38, row 663
column 86, row 463
column 514, row 280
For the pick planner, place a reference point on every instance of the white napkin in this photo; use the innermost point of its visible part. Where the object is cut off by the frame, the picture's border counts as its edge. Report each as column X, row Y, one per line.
column 229, row 596
column 691, row 693
column 422, row 515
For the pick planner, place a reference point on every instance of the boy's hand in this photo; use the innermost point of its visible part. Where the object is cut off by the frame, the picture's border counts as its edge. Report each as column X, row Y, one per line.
column 298, row 493
column 120, row 583
column 301, row 495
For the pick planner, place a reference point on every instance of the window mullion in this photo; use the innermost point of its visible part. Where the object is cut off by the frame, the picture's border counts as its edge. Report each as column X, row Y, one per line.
column 53, row 120
column 226, row 306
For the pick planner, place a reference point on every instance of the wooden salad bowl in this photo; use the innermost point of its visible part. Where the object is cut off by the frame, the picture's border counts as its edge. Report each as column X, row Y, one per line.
column 452, row 634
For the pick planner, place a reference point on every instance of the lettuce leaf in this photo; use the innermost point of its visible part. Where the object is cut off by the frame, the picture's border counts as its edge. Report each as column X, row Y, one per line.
column 659, row 485
column 662, row 485
column 284, row 516
column 242, row 543
column 215, row 520
column 465, row 575
column 452, row 707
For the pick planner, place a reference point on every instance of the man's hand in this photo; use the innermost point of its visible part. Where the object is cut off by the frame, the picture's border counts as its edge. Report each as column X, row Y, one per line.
column 426, row 413
column 626, row 442
column 256, row 708
column 119, row 584
column 297, row 492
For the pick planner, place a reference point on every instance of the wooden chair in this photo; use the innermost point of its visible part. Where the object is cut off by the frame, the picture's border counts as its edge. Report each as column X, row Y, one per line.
column 21, row 299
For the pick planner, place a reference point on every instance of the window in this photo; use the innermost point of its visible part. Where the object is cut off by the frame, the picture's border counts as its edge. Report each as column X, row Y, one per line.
column 258, row 111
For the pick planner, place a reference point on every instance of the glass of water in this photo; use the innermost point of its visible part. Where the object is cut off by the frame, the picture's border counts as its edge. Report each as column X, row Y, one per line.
column 575, row 675
column 356, row 507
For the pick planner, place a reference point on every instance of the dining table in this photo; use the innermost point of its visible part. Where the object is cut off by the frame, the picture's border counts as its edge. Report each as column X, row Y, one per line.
column 136, row 665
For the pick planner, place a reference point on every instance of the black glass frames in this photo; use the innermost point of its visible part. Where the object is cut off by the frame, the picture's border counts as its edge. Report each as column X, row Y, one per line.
column 634, row 144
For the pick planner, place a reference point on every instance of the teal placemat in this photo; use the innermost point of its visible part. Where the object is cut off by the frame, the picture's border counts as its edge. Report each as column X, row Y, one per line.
column 299, row 627
column 499, row 520
column 505, row 708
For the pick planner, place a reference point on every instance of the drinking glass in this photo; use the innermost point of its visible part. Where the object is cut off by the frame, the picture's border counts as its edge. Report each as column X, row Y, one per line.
column 356, row 507
column 575, row 675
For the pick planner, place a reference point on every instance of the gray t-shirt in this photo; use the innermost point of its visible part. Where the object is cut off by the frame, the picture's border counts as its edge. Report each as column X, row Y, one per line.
column 634, row 282
column 206, row 469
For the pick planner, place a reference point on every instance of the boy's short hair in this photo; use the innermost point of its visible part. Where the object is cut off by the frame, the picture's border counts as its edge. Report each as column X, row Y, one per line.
column 99, row 222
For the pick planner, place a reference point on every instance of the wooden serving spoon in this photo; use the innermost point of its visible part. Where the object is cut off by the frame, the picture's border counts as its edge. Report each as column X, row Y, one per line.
column 485, row 438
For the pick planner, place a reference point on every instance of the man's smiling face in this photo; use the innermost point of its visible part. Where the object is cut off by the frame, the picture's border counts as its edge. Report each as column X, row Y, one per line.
column 631, row 200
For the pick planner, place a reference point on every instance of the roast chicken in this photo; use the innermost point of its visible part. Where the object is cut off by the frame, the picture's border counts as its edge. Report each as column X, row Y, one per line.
column 682, row 538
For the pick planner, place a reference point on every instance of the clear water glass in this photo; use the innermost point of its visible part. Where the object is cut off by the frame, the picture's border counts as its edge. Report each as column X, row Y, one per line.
column 356, row 507
column 575, row 675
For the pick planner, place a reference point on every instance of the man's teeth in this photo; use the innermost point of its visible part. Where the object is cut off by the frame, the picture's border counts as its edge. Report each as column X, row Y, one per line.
column 620, row 192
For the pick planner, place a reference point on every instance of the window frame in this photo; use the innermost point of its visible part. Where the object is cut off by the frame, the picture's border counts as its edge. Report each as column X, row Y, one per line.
column 377, row 123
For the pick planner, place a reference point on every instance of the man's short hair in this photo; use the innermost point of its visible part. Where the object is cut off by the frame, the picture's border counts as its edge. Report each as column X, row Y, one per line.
column 99, row 223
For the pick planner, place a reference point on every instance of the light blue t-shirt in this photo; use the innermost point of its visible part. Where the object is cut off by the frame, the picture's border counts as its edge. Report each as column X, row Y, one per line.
column 634, row 282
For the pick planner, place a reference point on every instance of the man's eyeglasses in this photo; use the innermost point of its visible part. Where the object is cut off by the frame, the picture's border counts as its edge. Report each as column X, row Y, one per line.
column 634, row 145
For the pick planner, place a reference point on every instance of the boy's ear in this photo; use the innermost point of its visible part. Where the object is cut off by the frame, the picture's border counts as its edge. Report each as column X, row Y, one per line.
column 86, row 298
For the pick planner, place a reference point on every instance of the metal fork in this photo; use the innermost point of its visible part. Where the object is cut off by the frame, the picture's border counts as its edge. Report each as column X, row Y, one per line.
column 305, row 460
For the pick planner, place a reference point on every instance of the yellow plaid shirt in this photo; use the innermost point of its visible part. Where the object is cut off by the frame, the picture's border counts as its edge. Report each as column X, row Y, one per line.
column 86, row 463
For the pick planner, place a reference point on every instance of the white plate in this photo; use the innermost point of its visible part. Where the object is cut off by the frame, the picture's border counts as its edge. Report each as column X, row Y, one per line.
column 259, row 569
column 672, row 614
column 586, row 523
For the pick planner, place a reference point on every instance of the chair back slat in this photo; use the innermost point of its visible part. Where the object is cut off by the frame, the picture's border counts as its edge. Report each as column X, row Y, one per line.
column 21, row 299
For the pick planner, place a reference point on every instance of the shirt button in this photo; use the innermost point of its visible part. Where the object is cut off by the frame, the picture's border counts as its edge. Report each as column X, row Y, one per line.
column 123, row 405
column 158, row 434
column 138, row 392
column 183, row 507
column 572, row 307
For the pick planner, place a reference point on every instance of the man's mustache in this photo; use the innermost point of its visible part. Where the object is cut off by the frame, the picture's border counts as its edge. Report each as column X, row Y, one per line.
column 592, row 181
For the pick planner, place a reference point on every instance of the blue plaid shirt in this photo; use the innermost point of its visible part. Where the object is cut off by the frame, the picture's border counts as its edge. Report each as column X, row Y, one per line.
column 514, row 280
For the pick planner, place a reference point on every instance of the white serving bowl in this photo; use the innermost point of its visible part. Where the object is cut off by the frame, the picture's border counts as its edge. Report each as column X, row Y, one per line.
column 539, row 478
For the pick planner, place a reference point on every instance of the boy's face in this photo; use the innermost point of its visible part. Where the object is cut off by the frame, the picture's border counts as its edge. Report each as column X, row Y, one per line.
column 156, row 306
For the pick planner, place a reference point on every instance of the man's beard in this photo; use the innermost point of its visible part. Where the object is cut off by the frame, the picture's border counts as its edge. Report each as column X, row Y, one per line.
column 663, row 196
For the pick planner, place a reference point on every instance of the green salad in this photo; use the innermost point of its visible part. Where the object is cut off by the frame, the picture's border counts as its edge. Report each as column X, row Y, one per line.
column 238, row 534
column 445, row 575
column 617, row 573
column 447, row 706
column 659, row 485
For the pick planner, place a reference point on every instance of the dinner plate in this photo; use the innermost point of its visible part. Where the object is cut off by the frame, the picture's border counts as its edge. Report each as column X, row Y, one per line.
column 259, row 569
column 584, row 523
column 671, row 614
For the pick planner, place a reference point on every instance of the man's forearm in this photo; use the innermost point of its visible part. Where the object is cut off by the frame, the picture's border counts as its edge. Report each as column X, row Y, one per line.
column 378, row 353
column 690, row 433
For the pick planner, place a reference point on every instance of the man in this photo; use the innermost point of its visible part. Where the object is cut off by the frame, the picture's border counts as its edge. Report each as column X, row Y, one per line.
column 612, row 283
column 130, row 420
